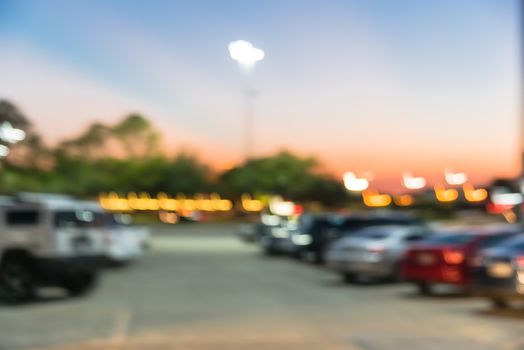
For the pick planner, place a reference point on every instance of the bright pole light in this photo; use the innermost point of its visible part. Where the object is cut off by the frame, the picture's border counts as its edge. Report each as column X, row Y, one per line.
column 245, row 53
column 455, row 179
column 413, row 183
column 355, row 184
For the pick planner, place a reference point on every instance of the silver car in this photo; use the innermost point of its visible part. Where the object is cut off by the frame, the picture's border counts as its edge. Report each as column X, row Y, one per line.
column 373, row 252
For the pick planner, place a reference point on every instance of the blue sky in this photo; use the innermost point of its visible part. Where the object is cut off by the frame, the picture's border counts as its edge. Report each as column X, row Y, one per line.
column 365, row 85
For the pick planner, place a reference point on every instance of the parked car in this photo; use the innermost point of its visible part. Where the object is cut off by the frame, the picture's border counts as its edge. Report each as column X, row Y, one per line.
column 324, row 233
column 448, row 257
column 309, row 235
column 373, row 252
column 499, row 272
column 274, row 234
column 47, row 240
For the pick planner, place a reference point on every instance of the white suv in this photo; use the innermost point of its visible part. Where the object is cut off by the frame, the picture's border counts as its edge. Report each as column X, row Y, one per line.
column 48, row 240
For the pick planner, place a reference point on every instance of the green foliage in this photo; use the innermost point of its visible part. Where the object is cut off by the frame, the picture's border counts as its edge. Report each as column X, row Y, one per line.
column 284, row 174
column 125, row 157
column 137, row 136
column 133, row 137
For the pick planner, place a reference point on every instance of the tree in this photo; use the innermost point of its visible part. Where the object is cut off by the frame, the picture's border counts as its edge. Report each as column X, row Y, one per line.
column 185, row 174
column 29, row 160
column 10, row 113
column 284, row 174
column 133, row 137
column 137, row 136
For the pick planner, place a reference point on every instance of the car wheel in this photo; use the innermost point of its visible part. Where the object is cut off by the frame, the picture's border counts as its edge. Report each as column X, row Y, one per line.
column 499, row 303
column 349, row 277
column 318, row 258
column 81, row 283
column 310, row 256
column 396, row 275
column 16, row 281
column 269, row 251
column 424, row 288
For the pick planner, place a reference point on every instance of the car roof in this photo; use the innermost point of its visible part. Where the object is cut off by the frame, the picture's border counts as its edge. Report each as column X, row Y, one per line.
column 388, row 228
column 480, row 231
column 378, row 215
column 50, row 203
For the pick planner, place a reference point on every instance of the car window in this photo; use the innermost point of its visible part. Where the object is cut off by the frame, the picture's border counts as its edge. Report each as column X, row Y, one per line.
column 495, row 240
column 514, row 243
column 311, row 223
column 451, row 239
column 414, row 237
column 22, row 217
column 375, row 233
column 80, row 218
column 349, row 224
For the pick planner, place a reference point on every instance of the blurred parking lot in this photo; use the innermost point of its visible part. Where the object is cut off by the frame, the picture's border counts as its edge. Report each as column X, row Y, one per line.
column 202, row 288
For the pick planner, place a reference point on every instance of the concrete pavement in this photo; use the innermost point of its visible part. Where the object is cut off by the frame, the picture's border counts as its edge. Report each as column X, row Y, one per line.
column 201, row 288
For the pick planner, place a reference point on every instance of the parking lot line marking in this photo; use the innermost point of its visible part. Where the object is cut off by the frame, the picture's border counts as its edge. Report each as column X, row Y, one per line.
column 123, row 321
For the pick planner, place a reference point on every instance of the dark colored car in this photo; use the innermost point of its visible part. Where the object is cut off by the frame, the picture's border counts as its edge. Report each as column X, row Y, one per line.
column 325, row 230
column 449, row 257
column 499, row 272
column 308, row 236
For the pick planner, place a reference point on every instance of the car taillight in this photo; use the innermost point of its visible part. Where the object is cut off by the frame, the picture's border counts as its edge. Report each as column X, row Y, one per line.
column 453, row 257
column 519, row 262
column 377, row 250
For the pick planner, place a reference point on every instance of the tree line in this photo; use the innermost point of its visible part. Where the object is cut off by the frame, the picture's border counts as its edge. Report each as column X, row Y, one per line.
column 127, row 156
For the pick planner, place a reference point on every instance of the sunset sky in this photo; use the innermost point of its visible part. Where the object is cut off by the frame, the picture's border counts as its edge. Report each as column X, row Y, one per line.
column 381, row 86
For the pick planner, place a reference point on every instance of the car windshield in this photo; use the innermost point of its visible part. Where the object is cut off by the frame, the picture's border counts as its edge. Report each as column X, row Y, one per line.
column 494, row 240
column 514, row 243
column 312, row 223
column 79, row 218
column 351, row 224
column 450, row 239
column 374, row 233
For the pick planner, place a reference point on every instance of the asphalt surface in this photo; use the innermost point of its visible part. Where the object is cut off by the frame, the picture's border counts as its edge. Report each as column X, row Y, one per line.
column 201, row 288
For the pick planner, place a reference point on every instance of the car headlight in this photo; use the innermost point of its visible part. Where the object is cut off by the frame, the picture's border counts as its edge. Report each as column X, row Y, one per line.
column 302, row 239
column 279, row 232
column 270, row 220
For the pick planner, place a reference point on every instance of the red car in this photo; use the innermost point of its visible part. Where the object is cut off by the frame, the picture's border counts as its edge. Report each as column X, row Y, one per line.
column 449, row 257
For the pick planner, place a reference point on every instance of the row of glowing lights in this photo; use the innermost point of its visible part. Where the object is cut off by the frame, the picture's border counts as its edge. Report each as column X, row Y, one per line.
column 372, row 198
column 409, row 181
column 247, row 55
column 143, row 201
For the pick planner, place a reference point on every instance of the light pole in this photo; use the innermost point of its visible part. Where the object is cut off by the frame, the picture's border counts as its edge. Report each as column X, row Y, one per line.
column 247, row 55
